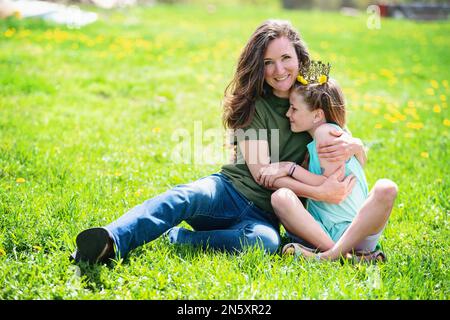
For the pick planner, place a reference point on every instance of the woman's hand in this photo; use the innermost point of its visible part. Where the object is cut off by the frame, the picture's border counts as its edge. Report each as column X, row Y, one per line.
column 334, row 189
column 342, row 148
column 268, row 174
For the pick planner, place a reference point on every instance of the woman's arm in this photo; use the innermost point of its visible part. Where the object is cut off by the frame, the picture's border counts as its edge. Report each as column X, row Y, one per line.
column 268, row 174
column 360, row 152
column 256, row 155
column 331, row 191
column 342, row 147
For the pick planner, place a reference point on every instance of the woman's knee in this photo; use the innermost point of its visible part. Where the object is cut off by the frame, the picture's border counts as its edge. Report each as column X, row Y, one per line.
column 195, row 193
column 263, row 235
column 385, row 190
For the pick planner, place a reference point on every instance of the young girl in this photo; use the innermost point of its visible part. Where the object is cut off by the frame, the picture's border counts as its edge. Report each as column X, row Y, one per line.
column 317, row 106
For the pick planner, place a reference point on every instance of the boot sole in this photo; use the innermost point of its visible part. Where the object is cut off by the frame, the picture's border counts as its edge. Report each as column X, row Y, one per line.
column 92, row 244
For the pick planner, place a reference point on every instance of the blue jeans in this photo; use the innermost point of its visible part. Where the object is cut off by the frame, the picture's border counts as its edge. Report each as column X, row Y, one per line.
column 221, row 217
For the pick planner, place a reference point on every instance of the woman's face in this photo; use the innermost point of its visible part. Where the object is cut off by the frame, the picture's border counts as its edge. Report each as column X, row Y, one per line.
column 299, row 114
column 280, row 66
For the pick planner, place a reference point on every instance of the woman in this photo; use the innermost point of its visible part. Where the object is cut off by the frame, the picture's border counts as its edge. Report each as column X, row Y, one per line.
column 230, row 210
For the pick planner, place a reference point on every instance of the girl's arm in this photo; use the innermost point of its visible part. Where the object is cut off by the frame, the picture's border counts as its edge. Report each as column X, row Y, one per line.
column 256, row 155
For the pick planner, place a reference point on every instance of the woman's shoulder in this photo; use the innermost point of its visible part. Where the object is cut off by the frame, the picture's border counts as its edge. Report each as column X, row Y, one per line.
column 262, row 105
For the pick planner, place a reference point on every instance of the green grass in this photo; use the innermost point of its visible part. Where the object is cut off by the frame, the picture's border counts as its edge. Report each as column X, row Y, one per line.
column 87, row 117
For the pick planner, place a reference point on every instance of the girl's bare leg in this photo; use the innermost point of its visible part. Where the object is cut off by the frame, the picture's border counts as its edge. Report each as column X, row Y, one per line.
column 370, row 220
column 298, row 221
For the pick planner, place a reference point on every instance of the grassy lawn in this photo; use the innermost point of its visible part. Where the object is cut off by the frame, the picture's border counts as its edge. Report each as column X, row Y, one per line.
column 87, row 122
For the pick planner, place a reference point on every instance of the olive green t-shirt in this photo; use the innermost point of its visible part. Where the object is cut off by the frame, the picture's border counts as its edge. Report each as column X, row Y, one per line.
column 271, row 124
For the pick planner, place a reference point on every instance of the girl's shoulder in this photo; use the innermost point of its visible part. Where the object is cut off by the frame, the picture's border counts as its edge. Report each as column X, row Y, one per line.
column 324, row 129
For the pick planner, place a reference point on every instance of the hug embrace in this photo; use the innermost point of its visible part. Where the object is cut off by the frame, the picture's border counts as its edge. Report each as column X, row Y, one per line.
column 299, row 149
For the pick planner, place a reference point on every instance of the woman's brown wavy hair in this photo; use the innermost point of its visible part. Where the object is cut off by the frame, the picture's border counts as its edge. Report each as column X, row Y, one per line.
column 248, row 83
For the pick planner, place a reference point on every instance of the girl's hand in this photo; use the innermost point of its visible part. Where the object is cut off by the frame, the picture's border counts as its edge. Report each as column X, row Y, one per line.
column 342, row 148
column 268, row 175
column 333, row 190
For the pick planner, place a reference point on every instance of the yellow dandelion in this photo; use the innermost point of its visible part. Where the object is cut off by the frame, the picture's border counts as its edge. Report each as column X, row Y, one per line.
column 443, row 98
column 323, row 79
column 398, row 115
column 445, row 83
column 378, row 126
column 434, row 84
column 156, row 130
column 9, row 33
column 390, row 118
column 436, row 108
column 117, row 174
column 447, row 123
column 430, row 91
column 20, row 180
column 424, row 155
column 302, row 80
column 415, row 125
column 386, row 73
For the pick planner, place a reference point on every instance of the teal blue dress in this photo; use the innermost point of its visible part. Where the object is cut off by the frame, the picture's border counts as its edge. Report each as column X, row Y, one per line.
column 335, row 218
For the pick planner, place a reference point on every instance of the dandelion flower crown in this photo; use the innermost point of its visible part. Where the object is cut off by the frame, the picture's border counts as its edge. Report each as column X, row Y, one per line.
column 316, row 73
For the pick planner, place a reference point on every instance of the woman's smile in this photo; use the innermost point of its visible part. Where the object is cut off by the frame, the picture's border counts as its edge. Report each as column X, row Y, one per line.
column 280, row 66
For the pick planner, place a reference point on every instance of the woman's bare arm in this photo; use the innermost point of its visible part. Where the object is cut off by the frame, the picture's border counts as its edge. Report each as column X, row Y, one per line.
column 256, row 155
column 342, row 147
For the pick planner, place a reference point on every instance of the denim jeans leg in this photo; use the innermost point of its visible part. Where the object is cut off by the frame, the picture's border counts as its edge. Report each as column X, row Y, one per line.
column 206, row 197
column 236, row 238
column 254, row 227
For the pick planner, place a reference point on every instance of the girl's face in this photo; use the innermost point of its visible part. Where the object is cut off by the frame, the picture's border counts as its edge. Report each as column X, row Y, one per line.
column 280, row 66
column 299, row 114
